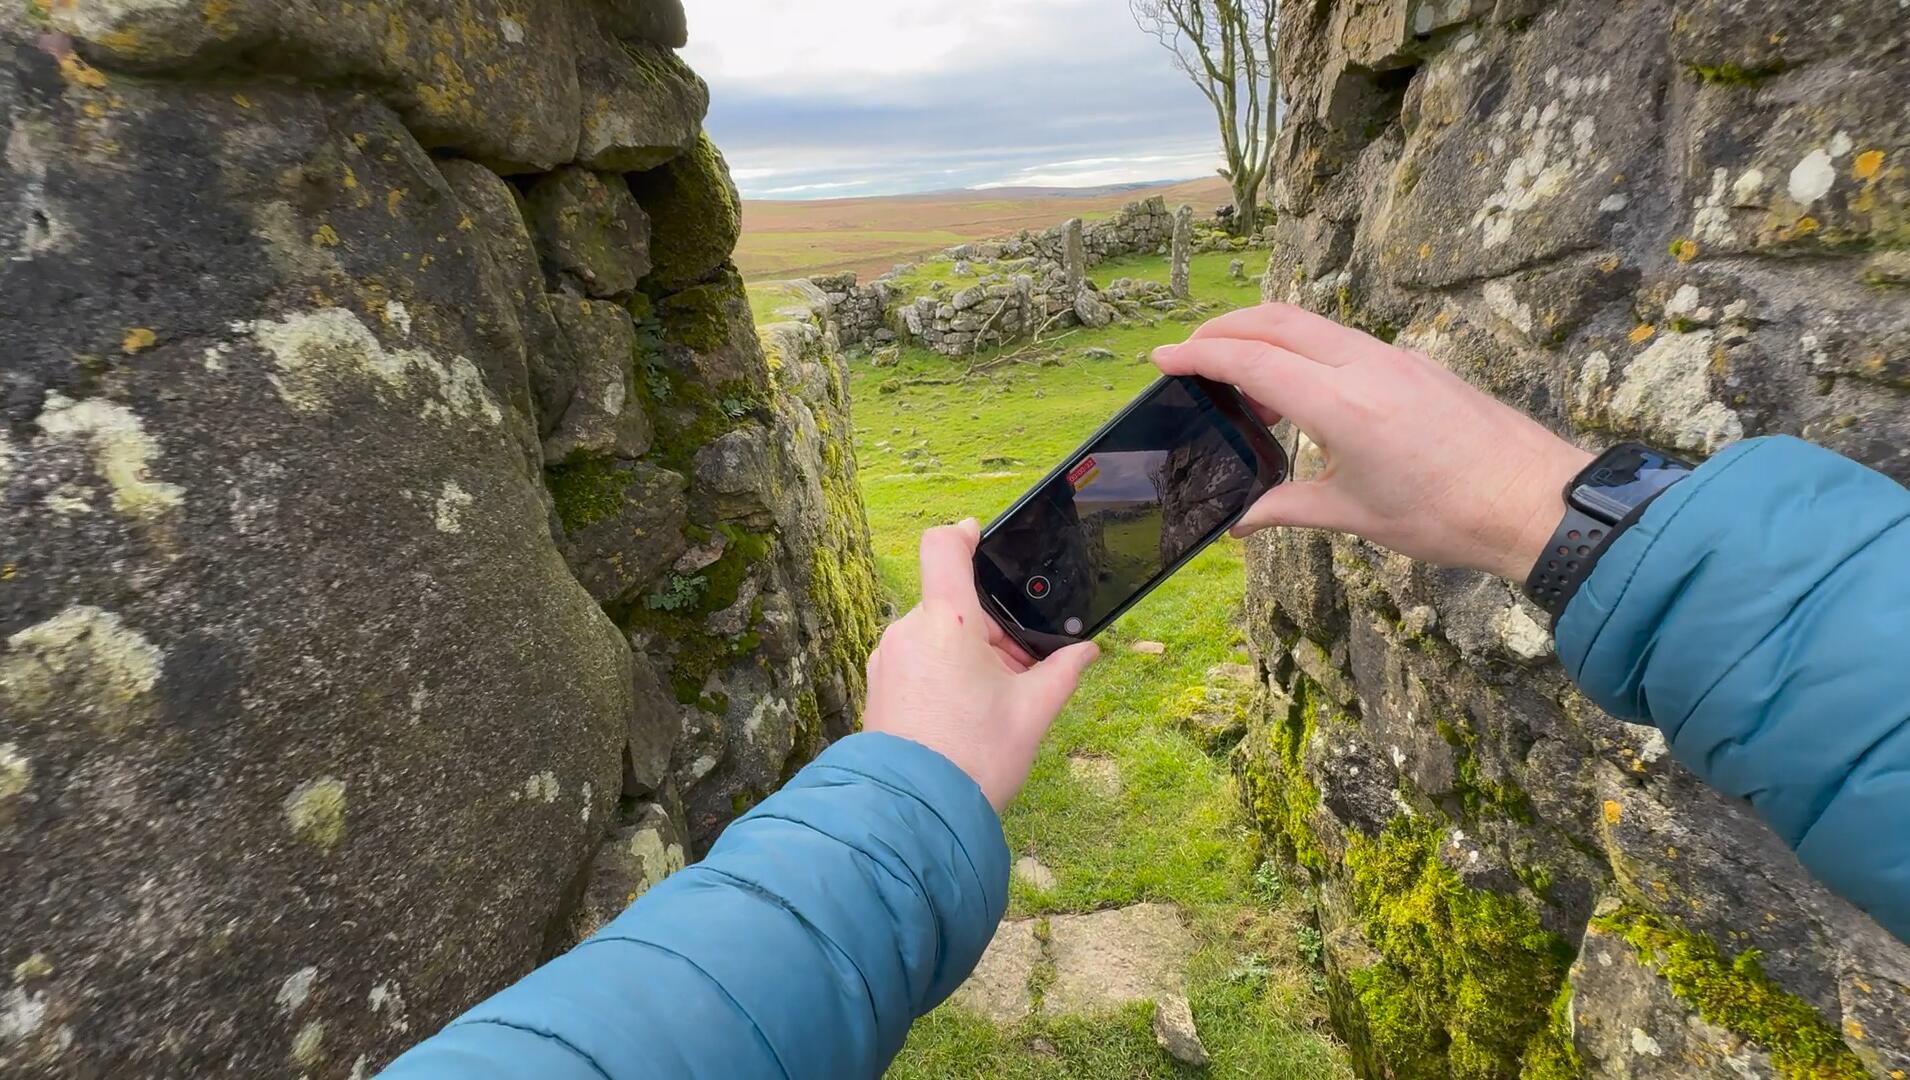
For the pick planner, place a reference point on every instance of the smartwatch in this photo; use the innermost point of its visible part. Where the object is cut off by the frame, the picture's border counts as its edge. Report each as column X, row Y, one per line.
column 1600, row 503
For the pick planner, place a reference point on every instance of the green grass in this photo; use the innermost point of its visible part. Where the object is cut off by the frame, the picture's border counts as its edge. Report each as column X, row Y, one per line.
column 766, row 297
column 933, row 454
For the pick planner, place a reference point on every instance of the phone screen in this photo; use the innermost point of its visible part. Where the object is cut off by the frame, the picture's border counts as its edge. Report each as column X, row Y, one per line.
column 1143, row 496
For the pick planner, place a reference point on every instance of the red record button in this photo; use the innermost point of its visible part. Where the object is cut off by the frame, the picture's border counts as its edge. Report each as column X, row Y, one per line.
column 1038, row 587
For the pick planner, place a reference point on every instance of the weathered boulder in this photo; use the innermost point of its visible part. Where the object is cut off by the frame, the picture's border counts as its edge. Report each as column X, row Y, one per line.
column 494, row 79
column 642, row 105
column 1663, row 220
column 591, row 233
column 601, row 416
column 285, row 633
column 359, row 592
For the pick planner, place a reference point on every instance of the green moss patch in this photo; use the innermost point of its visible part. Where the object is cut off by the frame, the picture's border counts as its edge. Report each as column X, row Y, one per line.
column 1460, row 968
column 587, row 490
column 1552, row 1056
column 678, row 608
column 1279, row 797
column 695, row 216
column 1730, row 74
column 1735, row 994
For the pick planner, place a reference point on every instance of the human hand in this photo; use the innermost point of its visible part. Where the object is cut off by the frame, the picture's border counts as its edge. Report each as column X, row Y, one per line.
column 1417, row 459
column 946, row 676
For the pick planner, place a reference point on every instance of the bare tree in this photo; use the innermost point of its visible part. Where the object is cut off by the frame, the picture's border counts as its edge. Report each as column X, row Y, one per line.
column 1226, row 48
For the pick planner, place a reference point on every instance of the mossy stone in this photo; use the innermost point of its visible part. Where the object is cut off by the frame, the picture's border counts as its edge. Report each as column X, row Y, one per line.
column 696, row 215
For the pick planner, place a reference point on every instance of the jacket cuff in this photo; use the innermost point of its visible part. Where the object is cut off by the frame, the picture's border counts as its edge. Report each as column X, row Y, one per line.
column 951, row 794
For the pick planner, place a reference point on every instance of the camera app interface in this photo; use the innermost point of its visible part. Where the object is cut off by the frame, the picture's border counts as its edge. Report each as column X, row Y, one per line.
column 1143, row 497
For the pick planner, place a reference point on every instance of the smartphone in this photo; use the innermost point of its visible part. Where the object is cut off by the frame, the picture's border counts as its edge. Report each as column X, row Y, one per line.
column 1146, row 493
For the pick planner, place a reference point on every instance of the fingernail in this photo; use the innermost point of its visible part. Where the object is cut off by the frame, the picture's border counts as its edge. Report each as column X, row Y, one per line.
column 971, row 523
column 1165, row 352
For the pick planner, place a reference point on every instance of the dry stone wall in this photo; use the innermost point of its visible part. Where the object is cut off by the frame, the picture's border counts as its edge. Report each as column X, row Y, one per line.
column 1684, row 221
column 1019, row 285
column 409, row 551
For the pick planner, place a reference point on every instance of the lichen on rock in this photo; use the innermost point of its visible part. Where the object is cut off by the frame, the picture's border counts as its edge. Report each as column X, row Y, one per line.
column 1494, row 194
column 334, row 526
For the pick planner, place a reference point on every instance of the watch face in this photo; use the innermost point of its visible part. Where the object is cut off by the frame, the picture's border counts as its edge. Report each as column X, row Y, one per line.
column 1625, row 478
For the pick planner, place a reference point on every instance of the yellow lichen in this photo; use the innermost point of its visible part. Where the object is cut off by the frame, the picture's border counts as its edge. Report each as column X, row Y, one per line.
column 122, row 450
column 308, row 1046
column 85, row 658
column 1867, row 164
column 138, row 339
column 326, row 236
column 1613, row 812
column 33, row 967
column 315, row 811
column 81, row 73
column 1684, row 250
column 1643, row 334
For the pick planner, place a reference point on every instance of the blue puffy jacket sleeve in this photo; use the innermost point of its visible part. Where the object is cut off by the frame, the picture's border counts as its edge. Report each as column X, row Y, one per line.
column 822, row 924
column 1759, row 615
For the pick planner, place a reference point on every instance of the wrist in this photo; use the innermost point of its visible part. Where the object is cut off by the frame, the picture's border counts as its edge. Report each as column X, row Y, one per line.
column 1538, row 506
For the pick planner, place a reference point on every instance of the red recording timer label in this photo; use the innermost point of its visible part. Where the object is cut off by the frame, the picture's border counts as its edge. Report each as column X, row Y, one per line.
column 1083, row 473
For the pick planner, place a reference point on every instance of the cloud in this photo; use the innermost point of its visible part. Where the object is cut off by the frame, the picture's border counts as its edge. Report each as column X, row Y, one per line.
column 912, row 95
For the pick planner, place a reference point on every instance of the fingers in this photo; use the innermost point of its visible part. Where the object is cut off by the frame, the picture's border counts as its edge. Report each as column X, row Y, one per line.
column 1052, row 682
column 948, row 566
column 1295, row 329
column 1305, row 504
column 1281, row 383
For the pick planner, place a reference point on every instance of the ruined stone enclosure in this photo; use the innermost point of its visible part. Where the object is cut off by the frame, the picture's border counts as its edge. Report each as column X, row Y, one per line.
column 408, row 548
column 1685, row 221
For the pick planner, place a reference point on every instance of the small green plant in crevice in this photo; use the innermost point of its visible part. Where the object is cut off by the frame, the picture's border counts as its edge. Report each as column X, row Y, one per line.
column 1269, row 884
column 678, row 593
column 1312, row 947
column 1735, row 993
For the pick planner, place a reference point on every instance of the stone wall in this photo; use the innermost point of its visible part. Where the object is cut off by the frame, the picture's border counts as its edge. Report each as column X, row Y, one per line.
column 408, row 550
column 1020, row 284
column 1683, row 221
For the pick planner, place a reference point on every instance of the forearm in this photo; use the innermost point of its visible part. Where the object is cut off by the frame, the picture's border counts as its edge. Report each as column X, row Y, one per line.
column 1757, row 614
column 820, row 927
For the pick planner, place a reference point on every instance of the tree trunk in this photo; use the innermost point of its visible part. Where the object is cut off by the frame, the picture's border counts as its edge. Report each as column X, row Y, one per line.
column 1246, row 207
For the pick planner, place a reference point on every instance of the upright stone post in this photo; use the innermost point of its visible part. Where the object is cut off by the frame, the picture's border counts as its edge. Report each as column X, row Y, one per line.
column 1075, row 255
column 1183, row 250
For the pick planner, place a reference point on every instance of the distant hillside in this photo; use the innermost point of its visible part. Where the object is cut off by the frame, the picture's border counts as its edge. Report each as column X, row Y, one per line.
column 869, row 235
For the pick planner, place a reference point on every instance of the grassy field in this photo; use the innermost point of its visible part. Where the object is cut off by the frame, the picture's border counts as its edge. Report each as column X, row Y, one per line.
column 801, row 239
column 934, row 454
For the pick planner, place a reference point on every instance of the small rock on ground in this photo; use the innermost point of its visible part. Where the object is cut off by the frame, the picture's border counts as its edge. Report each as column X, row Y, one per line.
column 1114, row 958
column 1098, row 774
column 999, row 987
column 1233, row 673
column 1175, row 1032
column 1029, row 869
column 1148, row 648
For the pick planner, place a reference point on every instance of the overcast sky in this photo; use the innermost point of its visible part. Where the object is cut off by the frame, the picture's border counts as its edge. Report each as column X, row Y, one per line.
column 875, row 97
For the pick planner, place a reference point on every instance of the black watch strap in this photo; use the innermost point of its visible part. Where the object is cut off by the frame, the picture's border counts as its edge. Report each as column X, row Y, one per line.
column 1568, row 560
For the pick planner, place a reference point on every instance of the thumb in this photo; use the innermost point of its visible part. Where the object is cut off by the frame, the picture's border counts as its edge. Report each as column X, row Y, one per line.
column 1306, row 504
column 1048, row 685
